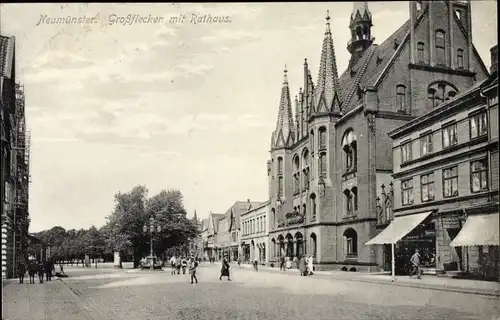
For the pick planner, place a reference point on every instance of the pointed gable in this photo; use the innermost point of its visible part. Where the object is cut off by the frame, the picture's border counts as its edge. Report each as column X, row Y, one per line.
column 284, row 134
column 328, row 79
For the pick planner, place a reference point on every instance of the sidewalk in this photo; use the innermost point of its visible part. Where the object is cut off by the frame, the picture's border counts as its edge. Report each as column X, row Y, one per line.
column 427, row 282
column 51, row 300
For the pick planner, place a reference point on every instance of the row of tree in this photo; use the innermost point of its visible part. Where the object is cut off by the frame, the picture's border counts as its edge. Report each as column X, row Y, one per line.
column 123, row 231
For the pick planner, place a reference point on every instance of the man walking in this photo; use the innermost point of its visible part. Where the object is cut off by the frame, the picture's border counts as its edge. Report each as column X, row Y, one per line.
column 256, row 264
column 415, row 261
column 282, row 263
column 184, row 265
column 192, row 270
column 41, row 270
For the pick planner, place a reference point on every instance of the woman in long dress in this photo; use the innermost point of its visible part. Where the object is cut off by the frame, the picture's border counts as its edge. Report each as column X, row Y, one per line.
column 310, row 266
column 224, row 272
column 302, row 266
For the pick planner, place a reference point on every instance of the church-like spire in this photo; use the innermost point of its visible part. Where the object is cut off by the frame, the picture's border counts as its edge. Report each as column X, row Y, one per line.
column 195, row 217
column 284, row 134
column 327, row 94
column 360, row 26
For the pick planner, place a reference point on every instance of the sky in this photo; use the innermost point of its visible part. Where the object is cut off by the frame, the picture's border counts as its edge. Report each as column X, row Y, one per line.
column 170, row 105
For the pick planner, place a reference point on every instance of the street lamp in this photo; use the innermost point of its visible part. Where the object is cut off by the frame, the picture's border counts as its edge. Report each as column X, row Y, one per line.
column 153, row 227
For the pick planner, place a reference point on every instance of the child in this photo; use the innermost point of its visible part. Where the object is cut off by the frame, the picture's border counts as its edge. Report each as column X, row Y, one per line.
column 192, row 270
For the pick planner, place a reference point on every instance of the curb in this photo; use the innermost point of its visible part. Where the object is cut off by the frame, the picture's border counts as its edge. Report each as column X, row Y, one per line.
column 326, row 274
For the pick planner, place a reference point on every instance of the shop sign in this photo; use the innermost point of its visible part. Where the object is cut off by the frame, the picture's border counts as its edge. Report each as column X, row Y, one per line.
column 451, row 222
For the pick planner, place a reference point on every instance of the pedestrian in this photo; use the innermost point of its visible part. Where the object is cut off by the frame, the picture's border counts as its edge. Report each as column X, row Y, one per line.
column 256, row 264
column 310, row 267
column 282, row 263
column 178, row 265
column 48, row 270
column 239, row 262
column 288, row 263
column 224, row 272
column 302, row 266
column 192, row 270
column 32, row 270
column 173, row 263
column 415, row 261
column 21, row 270
column 41, row 270
column 61, row 268
column 184, row 265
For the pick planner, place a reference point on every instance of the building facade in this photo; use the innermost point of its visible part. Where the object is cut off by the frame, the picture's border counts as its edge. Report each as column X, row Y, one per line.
column 329, row 157
column 228, row 230
column 209, row 235
column 254, row 234
column 14, row 156
column 446, row 177
column 196, row 244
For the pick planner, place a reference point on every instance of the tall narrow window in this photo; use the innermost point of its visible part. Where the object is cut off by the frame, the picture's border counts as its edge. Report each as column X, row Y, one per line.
column 450, row 137
column 313, row 207
column 349, row 146
column 280, row 165
column 479, row 175
column 440, row 48
column 406, row 151
column 426, row 144
column 450, row 182
column 322, row 138
column 407, row 191
column 427, row 187
column 478, row 125
column 354, row 194
column 420, row 52
column 460, row 58
column 322, row 165
column 401, row 97
column 280, row 186
column 348, row 201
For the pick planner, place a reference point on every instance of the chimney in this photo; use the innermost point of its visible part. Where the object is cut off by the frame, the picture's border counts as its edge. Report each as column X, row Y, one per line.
column 494, row 59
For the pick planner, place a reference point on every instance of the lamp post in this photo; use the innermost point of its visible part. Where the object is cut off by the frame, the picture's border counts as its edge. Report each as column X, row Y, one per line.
column 153, row 226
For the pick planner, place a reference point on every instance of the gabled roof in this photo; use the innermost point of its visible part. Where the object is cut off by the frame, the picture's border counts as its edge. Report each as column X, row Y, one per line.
column 233, row 214
column 204, row 224
column 214, row 225
column 370, row 66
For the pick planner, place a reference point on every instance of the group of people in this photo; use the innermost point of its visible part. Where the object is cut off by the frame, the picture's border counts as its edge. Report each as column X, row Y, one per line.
column 40, row 268
column 305, row 264
column 181, row 263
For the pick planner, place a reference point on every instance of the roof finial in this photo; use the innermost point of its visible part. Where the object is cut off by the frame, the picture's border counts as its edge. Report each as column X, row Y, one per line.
column 285, row 80
column 327, row 21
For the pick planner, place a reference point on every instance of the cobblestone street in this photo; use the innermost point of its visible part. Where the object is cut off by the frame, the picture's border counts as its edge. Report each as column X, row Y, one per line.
column 131, row 294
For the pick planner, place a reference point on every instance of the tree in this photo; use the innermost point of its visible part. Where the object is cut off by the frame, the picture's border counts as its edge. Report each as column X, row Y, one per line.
column 168, row 209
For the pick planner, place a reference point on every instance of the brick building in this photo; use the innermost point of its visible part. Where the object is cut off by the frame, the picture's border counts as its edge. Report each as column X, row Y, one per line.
column 329, row 156
column 446, row 182
column 254, row 234
column 14, row 162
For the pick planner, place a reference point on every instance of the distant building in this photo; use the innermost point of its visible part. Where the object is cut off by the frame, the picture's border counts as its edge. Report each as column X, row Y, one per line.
column 14, row 162
column 227, row 238
column 196, row 244
column 446, row 183
column 209, row 232
column 254, row 234
column 329, row 157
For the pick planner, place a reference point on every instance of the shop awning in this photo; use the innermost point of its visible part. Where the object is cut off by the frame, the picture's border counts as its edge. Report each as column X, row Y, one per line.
column 398, row 228
column 478, row 230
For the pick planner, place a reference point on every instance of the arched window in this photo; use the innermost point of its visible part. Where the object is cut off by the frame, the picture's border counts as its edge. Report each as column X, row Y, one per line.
column 419, row 5
column 305, row 169
column 304, row 209
column 296, row 175
column 296, row 163
column 440, row 47
column 322, row 165
column 273, row 217
column 313, row 207
column 280, row 165
column 348, row 201
column 440, row 91
column 314, row 245
column 420, row 52
column 322, row 138
column 460, row 58
column 312, row 141
column 354, row 195
column 273, row 248
column 351, row 243
column 280, row 186
column 349, row 147
column 401, row 97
